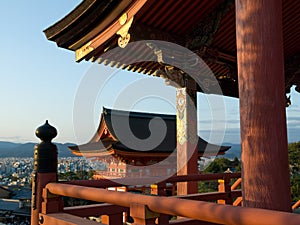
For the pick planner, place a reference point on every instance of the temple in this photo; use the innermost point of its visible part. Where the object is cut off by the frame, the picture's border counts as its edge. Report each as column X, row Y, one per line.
column 122, row 161
column 248, row 49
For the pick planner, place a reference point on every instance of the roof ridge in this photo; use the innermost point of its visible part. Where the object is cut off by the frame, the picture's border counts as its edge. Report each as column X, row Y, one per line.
column 137, row 113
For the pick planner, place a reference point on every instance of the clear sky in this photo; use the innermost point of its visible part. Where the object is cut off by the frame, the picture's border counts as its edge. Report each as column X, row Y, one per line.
column 40, row 81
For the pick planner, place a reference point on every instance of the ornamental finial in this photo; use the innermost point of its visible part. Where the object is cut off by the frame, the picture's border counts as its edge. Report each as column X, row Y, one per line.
column 46, row 132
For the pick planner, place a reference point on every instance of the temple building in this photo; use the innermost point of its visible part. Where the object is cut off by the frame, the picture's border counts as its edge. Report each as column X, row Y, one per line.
column 248, row 49
column 123, row 161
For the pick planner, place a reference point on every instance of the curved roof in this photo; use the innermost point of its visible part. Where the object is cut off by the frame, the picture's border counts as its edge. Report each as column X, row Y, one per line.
column 118, row 123
column 205, row 27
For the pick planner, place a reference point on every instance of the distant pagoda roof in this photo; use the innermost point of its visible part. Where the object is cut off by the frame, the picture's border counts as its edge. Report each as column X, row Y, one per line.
column 106, row 142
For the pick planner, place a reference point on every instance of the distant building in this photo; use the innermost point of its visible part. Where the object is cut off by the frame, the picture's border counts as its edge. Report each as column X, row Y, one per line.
column 4, row 192
column 122, row 161
column 15, row 210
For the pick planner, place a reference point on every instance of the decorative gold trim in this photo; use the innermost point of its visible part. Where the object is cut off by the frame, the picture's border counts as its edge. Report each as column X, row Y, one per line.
column 123, row 19
column 83, row 51
column 186, row 118
column 123, row 32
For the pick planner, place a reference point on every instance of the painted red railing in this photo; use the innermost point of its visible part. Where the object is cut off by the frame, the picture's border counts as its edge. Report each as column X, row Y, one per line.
column 296, row 205
column 146, row 209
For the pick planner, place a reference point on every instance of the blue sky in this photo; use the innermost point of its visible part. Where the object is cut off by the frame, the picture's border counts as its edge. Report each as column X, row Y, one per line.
column 40, row 81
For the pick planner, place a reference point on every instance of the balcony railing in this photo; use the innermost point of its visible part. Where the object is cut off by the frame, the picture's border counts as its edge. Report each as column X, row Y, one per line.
column 222, row 208
column 146, row 209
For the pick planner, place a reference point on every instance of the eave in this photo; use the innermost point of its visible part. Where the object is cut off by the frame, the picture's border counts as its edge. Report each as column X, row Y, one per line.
column 91, row 29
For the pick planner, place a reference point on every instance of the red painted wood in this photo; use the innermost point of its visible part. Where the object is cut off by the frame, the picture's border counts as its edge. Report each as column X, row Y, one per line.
column 199, row 210
column 42, row 180
column 265, row 166
column 187, row 158
column 66, row 219
column 95, row 210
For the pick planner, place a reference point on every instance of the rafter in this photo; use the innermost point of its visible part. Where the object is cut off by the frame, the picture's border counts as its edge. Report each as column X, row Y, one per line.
column 292, row 72
column 203, row 33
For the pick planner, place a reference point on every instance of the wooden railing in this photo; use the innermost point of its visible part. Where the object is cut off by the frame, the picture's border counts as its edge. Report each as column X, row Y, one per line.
column 48, row 207
column 145, row 209
column 296, row 205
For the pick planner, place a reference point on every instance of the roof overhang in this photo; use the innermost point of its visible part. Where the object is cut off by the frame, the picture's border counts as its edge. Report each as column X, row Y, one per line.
column 207, row 28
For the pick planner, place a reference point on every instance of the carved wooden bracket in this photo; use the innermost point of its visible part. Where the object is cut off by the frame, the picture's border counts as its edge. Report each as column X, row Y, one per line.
column 172, row 76
column 124, row 31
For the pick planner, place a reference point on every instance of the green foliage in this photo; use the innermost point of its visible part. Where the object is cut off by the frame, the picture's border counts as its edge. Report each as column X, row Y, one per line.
column 295, row 187
column 294, row 160
column 80, row 175
column 207, row 186
column 294, row 157
column 219, row 165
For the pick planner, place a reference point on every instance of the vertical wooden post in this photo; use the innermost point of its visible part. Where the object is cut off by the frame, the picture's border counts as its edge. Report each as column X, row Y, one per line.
column 187, row 138
column 112, row 219
column 51, row 203
column 45, row 167
column 221, row 188
column 224, row 186
column 265, row 167
column 161, row 191
column 142, row 215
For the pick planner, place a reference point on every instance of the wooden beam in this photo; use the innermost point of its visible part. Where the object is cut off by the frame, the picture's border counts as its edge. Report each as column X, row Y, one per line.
column 212, row 196
column 199, row 210
column 292, row 72
column 203, row 33
column 184, row 221
column 141, row 32
column 95, row 210
column 65, row 219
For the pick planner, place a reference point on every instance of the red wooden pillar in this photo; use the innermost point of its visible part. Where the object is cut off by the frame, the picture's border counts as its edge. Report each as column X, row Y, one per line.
column 45, row 168
column 265, row 168
column 186, row 122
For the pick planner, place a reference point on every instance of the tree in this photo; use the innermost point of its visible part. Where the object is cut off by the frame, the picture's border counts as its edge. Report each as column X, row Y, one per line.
column 219, row 165
column 294, row 160
column 294, row 157
column 79, row 175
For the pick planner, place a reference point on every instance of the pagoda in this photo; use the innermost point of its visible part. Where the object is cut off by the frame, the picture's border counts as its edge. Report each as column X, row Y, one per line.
column 123, row 161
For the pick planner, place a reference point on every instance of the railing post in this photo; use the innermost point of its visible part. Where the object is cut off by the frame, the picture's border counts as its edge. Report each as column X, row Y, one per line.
column 142, row 215
column 224, row 186
column 163, row 219
column 45, row 167
column 112, row 219
column 51, row 203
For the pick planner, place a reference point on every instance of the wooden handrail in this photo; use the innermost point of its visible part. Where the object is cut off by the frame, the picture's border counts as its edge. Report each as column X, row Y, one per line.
column 236, row 184
column 296, row 205
column 103, row 183
column 199, row 210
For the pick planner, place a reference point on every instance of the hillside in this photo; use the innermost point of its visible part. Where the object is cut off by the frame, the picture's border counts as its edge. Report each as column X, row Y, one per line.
column 234, row 151
column 9, row 149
